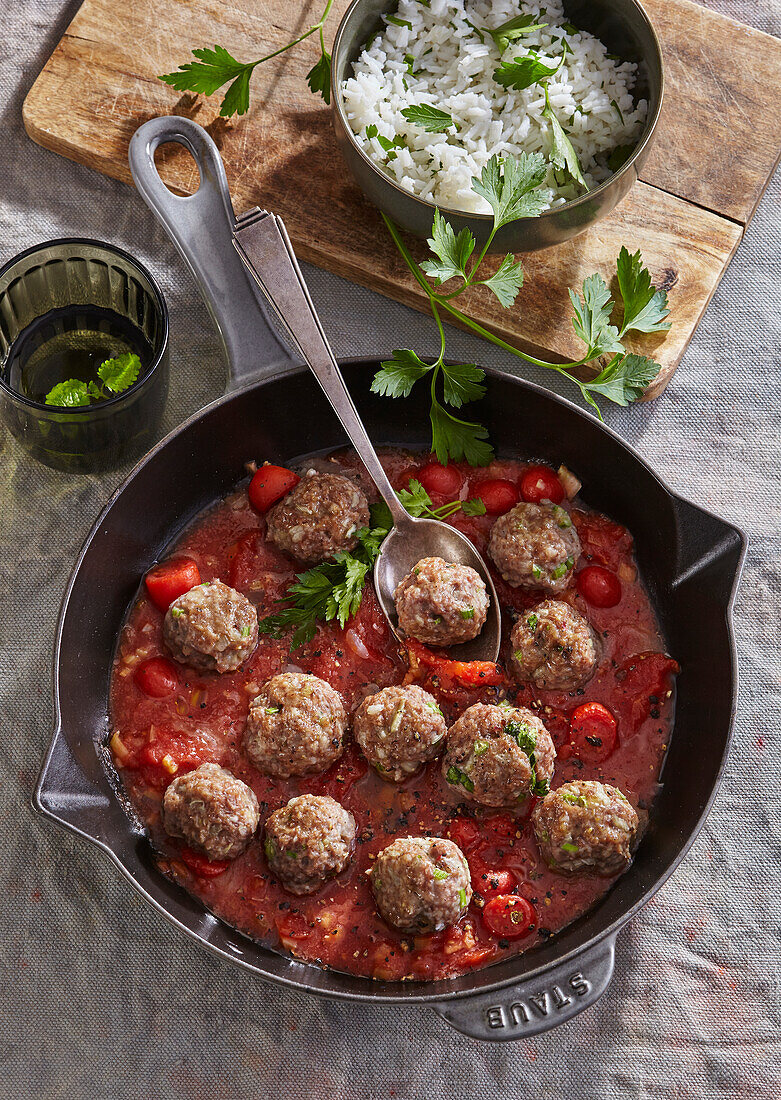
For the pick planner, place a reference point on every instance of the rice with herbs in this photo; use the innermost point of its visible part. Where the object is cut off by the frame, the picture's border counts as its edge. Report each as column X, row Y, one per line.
column 441, row 53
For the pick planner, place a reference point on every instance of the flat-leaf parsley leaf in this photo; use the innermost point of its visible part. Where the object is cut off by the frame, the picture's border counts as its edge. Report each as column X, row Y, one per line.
column 645, row 307
column 452, row 252
column 215, row 67
column 428, row 118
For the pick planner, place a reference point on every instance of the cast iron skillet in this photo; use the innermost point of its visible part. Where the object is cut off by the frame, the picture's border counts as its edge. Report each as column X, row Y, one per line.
column 690, row 559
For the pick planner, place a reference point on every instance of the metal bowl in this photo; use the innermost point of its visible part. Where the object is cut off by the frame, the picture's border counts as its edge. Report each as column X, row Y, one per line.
column 625, row 29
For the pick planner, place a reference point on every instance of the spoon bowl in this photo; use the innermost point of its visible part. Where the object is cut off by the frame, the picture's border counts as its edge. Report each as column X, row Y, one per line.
column 413, row 539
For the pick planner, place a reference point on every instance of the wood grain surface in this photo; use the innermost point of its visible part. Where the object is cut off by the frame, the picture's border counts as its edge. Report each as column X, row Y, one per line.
column 716, row 148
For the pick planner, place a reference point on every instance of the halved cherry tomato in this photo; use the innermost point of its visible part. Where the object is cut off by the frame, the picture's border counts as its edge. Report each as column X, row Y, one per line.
column 477, row 956
column 171, row 579
column 436, row 478
column 156, row 677
column 509, row 916
column 401, row 479
column 540, row 483
column 168, row 757
column 466, row 673
column 644, row 681
column 294, row 925
column 464, row 832
column 498, row 495
column 269, row 485
column 200, row 865
column 602, row 540
column 257, row 563
column 599, row 586
column 488, row 883
column 593, row 732
column 500, row 827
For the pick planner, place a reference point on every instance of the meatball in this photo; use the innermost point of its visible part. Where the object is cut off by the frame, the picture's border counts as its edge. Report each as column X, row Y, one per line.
column 535, row 546
column 398, row 730
column 320, row 516
column 441, row 602
column 421, row 884
column 295, row 726
column 211, row 627
column 586, row 826
column 553, row 647
column 212, row 811
column 308, row 841
column 498, row 755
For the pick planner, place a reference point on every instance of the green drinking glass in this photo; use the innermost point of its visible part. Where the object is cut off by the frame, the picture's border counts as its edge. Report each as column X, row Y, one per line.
column 66, row 306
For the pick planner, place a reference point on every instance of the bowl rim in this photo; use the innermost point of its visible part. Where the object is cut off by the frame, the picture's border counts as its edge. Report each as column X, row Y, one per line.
column 132, row 391
column 450, row 212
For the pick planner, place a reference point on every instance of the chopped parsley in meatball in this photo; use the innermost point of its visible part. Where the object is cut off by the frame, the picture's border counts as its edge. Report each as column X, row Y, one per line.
column 421, row 884
column 211, row 628
column 535, row 546
column 441, row 602
column 553, row 647
column 295, row 726
column 319, row 517
column 586, row 826
column 308, row 841
column 212, row 811
column 398, row 729
column 498, row 755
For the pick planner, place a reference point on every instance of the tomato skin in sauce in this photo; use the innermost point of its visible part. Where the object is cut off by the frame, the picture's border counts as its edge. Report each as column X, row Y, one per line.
column 189, row 717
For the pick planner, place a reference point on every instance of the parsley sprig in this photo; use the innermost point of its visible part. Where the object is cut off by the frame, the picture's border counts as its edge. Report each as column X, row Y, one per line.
column 428, row 118
column 115, row 376
column 513, row 28
column 331, row 590
column 511, row 188
column 215, row 67
column 334, row 589
column 418, row 503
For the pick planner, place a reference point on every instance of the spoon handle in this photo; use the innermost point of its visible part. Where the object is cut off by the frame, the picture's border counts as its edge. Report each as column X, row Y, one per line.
column 263, row 244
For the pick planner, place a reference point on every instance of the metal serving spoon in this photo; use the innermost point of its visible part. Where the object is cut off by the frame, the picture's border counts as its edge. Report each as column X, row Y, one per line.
column 263, row 244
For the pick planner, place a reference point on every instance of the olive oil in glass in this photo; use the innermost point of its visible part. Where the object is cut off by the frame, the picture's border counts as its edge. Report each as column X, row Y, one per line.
column 71, row 342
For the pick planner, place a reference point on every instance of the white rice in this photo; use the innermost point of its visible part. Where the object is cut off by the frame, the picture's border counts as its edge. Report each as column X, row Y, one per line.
column 454, row 71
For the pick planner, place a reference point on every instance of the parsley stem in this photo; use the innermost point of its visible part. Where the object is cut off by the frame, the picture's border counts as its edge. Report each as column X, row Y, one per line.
column 438, row 319
column 318, row 26
column 481, row 257
column 470, row 278
column 442, row 300
column 407, row 256
column 487, row 335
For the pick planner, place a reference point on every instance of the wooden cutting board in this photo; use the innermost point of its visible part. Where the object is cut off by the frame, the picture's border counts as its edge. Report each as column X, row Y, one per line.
column 717, row 145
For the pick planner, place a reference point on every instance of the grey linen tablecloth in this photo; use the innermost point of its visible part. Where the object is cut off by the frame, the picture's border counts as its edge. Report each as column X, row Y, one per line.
column 100, row 998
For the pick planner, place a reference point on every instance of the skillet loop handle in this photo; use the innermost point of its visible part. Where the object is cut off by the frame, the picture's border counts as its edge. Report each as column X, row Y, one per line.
column 65, row 793
column 709, row 552
column 520, row 1012
column 201, row 227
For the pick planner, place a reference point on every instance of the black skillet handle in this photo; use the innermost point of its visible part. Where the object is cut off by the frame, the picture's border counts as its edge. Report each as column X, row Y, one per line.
column 79, row 799
column 201, row 227
column 708, row 551
column 519, row 1012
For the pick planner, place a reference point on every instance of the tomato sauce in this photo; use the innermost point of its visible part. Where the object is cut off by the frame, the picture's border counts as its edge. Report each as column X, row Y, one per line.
column 156, row 737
